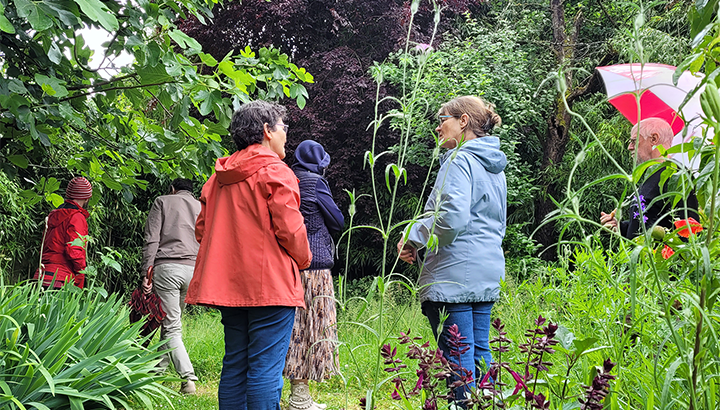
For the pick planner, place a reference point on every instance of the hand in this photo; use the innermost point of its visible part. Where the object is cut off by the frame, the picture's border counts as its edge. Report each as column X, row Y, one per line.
column 147, row 287
column 608, row 220
column 407, row 252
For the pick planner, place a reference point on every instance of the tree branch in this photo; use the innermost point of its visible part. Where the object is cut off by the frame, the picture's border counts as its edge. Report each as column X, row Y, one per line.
column 557, row 13
column 101, row 83
column 592, row 82
column 104, row 54
column 72, row 97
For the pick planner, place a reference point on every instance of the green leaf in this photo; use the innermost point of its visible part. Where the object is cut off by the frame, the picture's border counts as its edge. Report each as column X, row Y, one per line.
column 582, row 345
column 301, row 102
column 6, row 25
column 98, row 12
column 154, row 75
column 565, row 337
column 208, row 60
column 37, row 18
column 701, row 35
column 51, row 85
column 184, row 41
column 19, row 160
column 17, row 86
column 54, row 54
column 55, row 199
column 215, row 128
column 111, row 183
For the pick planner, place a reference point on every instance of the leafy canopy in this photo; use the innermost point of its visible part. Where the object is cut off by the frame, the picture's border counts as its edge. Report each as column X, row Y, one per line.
column 164, row 115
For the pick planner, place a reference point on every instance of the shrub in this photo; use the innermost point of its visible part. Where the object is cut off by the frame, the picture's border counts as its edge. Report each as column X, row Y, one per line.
column 72, row 349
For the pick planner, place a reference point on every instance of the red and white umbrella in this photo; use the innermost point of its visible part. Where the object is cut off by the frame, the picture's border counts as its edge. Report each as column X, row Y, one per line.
column 658, row 97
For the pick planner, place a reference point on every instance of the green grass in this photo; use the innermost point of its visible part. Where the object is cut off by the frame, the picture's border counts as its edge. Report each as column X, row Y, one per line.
column 203, row 337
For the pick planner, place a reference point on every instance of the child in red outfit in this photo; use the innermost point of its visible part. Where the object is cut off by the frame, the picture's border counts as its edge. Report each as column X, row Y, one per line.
column 61, row 259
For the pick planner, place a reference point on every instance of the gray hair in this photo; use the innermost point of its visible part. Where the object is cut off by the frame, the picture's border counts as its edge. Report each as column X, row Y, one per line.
column 249, row 120
column 650, row 126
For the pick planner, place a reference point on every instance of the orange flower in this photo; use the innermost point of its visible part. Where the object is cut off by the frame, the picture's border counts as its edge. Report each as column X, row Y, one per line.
column 667, row 252
column 694, row 227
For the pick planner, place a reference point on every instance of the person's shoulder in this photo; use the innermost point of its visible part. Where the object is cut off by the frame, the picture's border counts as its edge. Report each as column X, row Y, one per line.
column 277, row 169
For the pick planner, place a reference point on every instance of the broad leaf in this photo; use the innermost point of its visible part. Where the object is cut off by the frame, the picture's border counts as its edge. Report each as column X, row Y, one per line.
column 99, row 13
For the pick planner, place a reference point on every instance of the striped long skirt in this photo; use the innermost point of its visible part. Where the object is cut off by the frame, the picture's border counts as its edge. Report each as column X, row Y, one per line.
column 313, row 346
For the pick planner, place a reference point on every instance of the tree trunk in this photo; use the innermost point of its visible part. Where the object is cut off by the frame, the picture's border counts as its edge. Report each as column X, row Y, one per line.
column 558, row 135
column 564, row 45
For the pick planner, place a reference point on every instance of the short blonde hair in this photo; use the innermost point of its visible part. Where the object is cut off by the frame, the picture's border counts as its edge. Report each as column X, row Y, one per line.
column 482, row 115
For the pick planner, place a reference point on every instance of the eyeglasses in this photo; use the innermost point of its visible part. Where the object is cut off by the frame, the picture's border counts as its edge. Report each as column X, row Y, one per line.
column 285, row 127
column 444, row 118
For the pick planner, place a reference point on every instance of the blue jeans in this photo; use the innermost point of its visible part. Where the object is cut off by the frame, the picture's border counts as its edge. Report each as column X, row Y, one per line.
column 256, row 342
column 473, row 321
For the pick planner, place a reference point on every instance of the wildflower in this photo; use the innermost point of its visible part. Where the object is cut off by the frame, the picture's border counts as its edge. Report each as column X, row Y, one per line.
column 667, row 252
column 423, row 47
column 600, row 387
column 639, row 207
column 687, row 226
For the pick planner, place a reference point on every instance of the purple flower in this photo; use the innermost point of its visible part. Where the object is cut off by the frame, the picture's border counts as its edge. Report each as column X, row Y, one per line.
column 638, row 207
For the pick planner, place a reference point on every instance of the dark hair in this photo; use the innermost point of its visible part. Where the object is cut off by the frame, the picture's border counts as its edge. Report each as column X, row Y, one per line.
column 182, row 184
column 248, row 121
column 482, row 117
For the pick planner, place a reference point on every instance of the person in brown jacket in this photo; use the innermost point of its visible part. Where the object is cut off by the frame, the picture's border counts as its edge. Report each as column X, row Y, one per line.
column 171, row 248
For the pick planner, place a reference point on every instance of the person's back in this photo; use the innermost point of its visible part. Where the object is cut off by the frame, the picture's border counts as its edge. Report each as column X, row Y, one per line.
column 252, row 244
column 312, row 354
column 171, row 249
column 172, row 239
column 247, row 266
column 62, row 257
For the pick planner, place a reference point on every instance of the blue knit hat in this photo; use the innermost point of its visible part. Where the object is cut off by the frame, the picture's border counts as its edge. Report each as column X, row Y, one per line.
column 312, row 156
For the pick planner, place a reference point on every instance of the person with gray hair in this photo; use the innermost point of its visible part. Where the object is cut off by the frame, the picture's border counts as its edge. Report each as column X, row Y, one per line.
column 645, row 138
column 253, row 244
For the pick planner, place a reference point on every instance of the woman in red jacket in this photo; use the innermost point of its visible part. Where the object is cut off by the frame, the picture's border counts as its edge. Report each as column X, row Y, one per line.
column 61, row 258
column 252, row 244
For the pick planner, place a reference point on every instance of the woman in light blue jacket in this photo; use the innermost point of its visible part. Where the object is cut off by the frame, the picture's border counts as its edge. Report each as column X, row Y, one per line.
column 462, row 234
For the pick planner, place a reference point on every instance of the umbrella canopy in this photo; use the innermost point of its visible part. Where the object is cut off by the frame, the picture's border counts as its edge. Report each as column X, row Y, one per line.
column 658, row 97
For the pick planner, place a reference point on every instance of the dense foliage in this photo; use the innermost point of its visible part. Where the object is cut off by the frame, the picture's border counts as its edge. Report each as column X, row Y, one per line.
column 338, row 42
column 162, row 117
column 73, row 349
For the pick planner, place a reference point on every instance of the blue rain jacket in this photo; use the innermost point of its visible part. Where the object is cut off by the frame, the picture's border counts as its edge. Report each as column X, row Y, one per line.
column 469, row 206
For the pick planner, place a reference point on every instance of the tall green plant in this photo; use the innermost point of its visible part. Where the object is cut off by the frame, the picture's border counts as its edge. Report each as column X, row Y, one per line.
column 379, row 325
column 677, row 267
column 72, row 349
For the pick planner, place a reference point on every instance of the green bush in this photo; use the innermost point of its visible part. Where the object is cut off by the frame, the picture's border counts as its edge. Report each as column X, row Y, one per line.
column 73, row 349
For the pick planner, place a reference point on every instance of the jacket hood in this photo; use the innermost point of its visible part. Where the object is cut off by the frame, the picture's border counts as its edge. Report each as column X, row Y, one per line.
column 311, row 156
column 487, row 151
column 243, row 164
column 69, row 207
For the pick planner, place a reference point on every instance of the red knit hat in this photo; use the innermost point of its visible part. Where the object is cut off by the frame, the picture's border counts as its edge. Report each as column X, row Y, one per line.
column 78, row 188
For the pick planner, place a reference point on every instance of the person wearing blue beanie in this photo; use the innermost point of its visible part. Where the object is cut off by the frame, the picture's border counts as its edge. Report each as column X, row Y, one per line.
column 308, row 358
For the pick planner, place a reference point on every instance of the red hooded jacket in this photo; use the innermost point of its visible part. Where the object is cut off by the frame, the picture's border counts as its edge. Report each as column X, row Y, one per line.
column 64, row 225
column 252, row 235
